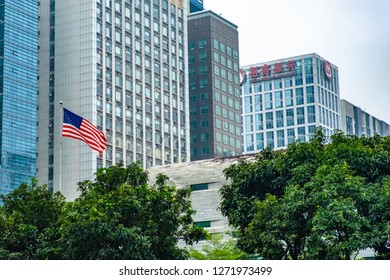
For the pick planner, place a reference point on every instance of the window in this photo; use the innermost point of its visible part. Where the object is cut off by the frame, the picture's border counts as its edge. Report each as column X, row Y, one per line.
column 300, row 115
column 288, row 82
column 259, row 121
column 204, row 110
column 301, row 134
column 299, row 96
column 278, row 99
column 270, row 139
column 248, row 104
column 310, row 94
column 269, row 120
column 202, row 56
column 249, row 142
column 290, row 117
column 289, row 98
column 205, row 150
column 311, row 130
column 202, row 43
column 258, row 103
column 280, row 138
column 199, row 187
column 279, row 119
column 259, row 141
column 290, row 135
column 268, row 101
column 311, row 114
column 249, row 123
column 278, row 84
column 204, row 224
column 204, row 137
column 204, row 123
column 268, row 85
column 216, row 44
column 202, row 69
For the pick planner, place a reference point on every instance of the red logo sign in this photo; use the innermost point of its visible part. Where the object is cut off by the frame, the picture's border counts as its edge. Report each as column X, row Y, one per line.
column 328, row 70
column 242, row 76
column 269, row 72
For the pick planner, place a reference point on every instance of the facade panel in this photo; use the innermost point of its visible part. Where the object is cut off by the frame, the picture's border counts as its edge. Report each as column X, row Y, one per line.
column 121, row 65
column 215, row 103
column 18, row 92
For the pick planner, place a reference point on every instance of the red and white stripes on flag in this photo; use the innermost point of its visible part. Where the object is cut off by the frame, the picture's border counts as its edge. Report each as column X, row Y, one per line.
column 79, row 128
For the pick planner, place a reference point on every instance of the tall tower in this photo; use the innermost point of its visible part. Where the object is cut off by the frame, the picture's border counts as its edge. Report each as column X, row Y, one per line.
column 215, row 102
column 121, row 65
column 18, row 92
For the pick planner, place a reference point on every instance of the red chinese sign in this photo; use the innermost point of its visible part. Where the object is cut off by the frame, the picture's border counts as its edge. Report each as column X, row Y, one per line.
column 270, row 72
column 253, row 72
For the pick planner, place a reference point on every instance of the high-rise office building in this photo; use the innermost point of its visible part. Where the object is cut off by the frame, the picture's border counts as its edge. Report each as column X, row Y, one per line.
column 355, row 121
column 215, row 102
column 286, row 100
column 18, row 92
column 121, row 65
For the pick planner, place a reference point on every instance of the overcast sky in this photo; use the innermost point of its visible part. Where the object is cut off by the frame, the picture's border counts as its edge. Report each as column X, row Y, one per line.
column 354, row 35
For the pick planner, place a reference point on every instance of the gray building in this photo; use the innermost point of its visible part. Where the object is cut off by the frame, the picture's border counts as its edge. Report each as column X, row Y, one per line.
column 214, row 90
column 285, row 100
column 355, row 121
column 121, row 65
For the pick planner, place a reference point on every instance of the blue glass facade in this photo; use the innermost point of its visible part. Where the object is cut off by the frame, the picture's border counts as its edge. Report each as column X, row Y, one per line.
column 196, row 6
column 18, row 92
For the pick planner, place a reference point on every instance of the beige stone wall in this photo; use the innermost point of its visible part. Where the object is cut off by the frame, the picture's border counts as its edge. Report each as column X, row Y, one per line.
column 205, row 202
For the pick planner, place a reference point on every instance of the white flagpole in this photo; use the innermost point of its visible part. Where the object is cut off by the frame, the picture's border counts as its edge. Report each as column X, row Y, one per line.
column 60, row 167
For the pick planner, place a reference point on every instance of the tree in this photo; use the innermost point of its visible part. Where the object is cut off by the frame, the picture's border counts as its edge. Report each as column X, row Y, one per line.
column 312, row 200
column 28, row 220
column 119, row 216
column 218, row 248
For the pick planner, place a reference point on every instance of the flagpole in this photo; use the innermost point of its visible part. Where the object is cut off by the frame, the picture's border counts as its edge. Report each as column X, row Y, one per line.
column 60, row 167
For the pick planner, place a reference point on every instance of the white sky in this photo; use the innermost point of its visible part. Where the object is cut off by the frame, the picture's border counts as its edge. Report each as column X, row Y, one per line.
column 354, row 35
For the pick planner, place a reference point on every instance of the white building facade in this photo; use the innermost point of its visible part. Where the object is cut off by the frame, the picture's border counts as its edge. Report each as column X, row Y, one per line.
column 287, row 99
column 356, row 121
column 121, row 65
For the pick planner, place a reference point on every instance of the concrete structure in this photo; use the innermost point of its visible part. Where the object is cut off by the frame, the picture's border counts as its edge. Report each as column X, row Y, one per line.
column 285, row 100
column 18, row 92
column 121, row 65
column 205, row 178
column 215, row 103
column 355, row 121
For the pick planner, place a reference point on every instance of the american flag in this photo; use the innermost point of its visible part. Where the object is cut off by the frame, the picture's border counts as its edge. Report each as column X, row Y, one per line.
column 79, row 128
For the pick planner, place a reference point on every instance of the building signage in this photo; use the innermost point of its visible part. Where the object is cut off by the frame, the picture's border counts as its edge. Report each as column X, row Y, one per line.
column 242, row 77
column 328, row 70
column 271, row 72
column 198, row 4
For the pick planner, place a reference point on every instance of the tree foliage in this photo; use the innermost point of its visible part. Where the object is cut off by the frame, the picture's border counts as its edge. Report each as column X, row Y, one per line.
column 312, row 200
column 28, row 218
column 218, row 248
column 117, row 216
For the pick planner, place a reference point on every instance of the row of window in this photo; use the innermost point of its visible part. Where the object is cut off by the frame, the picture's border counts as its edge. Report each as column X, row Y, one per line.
column 278, row 99
column 277, row 139
column 279, row 119
column 219, row 151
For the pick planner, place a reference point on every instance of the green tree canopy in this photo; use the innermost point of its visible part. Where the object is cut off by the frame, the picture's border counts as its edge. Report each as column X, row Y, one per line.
column 312, row 200
column 28, row 218
column 117, row 216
